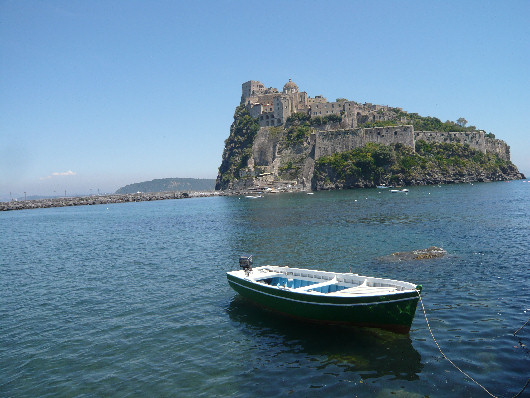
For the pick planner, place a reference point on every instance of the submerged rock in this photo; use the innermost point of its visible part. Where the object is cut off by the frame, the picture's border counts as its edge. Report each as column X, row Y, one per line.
column 422, row 254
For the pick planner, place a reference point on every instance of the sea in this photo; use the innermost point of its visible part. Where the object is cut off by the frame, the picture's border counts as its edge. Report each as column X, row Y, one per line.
column 131, row 300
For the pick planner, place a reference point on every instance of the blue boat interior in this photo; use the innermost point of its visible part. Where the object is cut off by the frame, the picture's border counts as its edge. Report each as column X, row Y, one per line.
column 284, row 282
column 329, row 288
column 296, row 283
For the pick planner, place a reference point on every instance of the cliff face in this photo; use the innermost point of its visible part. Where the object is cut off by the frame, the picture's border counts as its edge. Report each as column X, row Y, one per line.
column 238, row 149
column 304, row 154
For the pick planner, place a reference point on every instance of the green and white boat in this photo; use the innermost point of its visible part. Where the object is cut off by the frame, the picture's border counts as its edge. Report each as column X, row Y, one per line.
column 328, row 297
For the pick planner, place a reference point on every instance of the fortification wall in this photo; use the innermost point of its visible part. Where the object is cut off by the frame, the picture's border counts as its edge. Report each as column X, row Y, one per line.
column 499, row 147
column 274, row 162
column 329, row 142
column 391, row 135
column 475, row 139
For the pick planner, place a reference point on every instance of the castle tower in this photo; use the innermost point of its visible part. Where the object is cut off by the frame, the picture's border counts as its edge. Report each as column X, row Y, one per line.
column 290, row 88
column 251, row 88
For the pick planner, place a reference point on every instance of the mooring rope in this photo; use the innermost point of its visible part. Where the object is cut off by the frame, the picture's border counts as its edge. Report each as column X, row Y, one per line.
column 452, row 363
column 514, row 333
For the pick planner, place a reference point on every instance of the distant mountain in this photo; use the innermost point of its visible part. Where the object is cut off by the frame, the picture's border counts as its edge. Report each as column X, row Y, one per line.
column 170, row 184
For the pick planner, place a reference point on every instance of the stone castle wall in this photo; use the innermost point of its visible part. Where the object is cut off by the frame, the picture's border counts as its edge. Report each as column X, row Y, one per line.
column 329, row 142
column 270, row 158
column 272, row 108
column 475, row 139
column 498, row 147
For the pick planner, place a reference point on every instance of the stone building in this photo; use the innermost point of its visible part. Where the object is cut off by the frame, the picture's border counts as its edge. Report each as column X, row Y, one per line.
column 272, row 107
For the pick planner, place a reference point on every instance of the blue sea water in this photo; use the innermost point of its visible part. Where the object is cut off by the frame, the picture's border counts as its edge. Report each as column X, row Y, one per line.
column 132, row 299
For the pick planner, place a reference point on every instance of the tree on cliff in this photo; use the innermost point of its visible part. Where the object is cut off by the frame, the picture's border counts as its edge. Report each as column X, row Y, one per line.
column 238, row 147
column 461, row 121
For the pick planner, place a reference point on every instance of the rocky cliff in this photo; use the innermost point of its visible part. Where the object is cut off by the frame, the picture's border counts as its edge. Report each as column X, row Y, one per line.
column 320, row 153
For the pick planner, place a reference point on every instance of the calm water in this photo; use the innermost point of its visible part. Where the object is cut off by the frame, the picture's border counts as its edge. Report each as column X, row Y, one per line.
column 132, row 299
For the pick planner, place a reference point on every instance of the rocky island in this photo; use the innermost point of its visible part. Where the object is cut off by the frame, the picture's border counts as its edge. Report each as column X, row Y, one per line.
column 288, row 139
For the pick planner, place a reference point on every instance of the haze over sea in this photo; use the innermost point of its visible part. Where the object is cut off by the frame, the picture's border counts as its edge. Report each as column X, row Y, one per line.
column 132, row 299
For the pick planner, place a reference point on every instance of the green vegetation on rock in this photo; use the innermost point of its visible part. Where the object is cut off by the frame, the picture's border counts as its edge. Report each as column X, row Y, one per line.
column 238, row 147
column 397, row 164
column 169, row 185
column 420, row 123
column 318, row 120
column 296, row 135
column 384, row 123
column 298, row 117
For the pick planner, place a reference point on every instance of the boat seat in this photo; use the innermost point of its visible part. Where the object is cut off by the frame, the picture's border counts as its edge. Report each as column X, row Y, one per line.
column 262, row 277
column 316, row 285
column 368, row 290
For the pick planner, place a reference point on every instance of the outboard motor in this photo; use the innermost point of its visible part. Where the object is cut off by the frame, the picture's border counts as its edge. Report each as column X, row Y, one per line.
column 245, row 262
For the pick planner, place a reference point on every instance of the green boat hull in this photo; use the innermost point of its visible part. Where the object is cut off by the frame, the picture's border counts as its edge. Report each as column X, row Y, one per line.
column 392, row 312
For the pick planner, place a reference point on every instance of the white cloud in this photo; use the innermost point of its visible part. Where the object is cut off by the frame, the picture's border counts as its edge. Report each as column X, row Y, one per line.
column 65, row 173
column 62, row 173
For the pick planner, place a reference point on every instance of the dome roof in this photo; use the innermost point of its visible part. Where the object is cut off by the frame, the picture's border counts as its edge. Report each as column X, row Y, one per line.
column 290, row 86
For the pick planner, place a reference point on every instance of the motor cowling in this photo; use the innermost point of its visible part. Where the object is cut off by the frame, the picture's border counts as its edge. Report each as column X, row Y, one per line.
column 245, row 262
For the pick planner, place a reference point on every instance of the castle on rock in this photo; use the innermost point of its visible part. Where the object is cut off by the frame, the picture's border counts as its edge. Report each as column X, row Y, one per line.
column 272, row 108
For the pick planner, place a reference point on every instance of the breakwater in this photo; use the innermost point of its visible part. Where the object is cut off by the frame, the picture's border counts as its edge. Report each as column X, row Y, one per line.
column 101, row 199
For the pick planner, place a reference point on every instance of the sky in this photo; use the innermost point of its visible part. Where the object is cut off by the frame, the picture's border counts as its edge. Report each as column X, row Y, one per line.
column 95, row 95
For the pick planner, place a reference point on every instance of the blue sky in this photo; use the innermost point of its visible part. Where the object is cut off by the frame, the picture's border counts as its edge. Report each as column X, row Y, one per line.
column 100, row 94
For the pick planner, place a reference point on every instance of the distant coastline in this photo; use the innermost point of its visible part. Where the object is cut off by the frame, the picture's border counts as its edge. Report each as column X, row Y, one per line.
column 170, row 185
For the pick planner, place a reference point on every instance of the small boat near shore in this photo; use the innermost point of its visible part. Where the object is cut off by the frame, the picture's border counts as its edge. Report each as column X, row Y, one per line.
column 328, row 297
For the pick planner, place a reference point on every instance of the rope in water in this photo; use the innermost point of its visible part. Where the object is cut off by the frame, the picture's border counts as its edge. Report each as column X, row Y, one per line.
column 452, row 363
column 514, row 333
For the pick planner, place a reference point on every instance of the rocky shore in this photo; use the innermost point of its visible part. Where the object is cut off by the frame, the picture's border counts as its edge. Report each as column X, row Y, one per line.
column 102, row 199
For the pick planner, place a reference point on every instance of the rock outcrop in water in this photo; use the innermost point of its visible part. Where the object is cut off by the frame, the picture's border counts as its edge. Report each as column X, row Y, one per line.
column 421, row 254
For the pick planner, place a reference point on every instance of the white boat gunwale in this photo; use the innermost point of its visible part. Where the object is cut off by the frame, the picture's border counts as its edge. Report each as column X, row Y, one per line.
column 326, row 303
column 357, row 285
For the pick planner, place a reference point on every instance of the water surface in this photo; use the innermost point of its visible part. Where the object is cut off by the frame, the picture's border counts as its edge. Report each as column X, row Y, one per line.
column 132, row 299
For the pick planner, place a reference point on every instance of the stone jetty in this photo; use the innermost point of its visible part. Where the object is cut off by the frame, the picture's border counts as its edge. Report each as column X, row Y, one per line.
column 102, row 199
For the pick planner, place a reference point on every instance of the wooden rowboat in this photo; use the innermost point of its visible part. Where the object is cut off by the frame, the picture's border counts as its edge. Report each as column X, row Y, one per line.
column 328, row 297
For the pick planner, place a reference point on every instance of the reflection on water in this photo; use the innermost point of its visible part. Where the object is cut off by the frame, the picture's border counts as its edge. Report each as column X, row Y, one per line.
column 370, row 353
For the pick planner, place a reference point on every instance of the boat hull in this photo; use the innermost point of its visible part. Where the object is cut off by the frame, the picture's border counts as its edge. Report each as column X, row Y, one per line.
column 392, row 312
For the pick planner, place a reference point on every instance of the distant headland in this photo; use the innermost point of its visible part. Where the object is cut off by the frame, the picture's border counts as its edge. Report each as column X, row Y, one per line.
column 288, row 138
column 169, row 185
